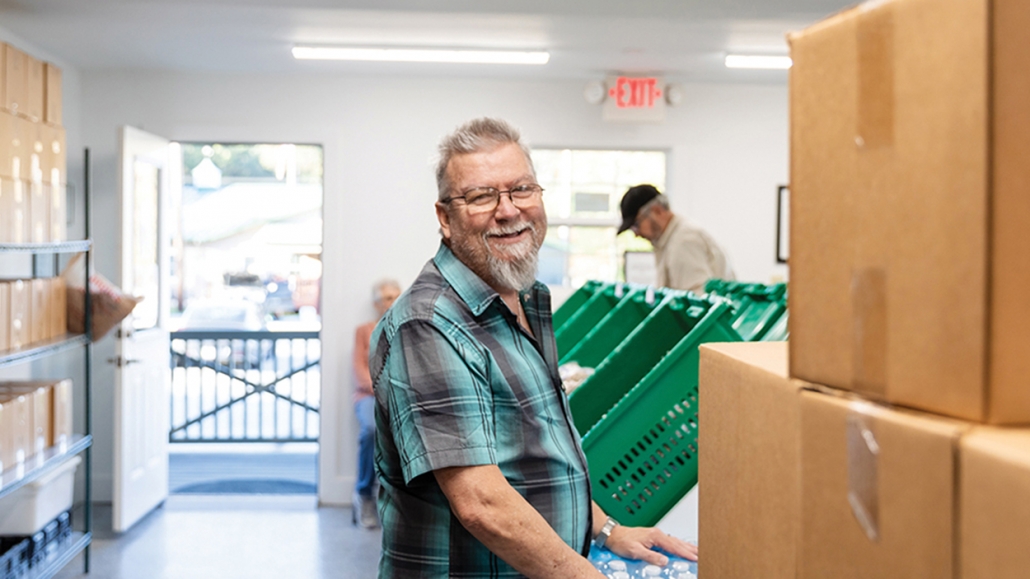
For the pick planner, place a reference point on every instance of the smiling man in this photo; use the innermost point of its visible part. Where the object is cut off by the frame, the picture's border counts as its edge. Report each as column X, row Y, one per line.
column 481, row 469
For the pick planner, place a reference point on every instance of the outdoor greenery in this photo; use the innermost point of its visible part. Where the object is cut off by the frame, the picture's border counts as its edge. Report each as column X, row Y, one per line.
column 254, row 161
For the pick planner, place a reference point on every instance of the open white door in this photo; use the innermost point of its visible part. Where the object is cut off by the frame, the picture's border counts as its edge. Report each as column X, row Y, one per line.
column 142, row 389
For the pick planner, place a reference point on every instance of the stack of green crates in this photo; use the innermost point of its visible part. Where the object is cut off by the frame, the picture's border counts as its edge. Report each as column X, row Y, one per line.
column 761, row 309
column 637, row 413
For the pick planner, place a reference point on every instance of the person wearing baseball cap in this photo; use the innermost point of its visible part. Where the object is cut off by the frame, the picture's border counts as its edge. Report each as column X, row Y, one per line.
column 686, row 256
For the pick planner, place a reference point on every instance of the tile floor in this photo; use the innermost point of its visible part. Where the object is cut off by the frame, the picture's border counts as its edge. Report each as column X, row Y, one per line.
column 233, row 537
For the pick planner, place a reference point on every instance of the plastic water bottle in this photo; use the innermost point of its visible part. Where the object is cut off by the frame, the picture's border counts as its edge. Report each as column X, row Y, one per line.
column 619, row 575
column 652, row 571
column 617, row 565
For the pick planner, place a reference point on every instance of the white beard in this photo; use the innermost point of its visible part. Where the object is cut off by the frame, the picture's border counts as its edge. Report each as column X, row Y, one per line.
column 516, row 273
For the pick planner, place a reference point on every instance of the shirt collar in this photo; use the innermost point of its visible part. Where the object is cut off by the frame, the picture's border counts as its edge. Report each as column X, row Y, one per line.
column 476, row 293
column 663, row 239
column 471, row 288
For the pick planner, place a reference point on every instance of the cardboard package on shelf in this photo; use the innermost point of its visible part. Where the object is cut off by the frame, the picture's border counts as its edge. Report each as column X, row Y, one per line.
column 38, row 397
column 749, row 488
column 909, row 242
column 58, row 307
column 15, row 428
column 40, row 305
column 20, row 312
column 52, row 115
column 15, row 79
column 5, row 317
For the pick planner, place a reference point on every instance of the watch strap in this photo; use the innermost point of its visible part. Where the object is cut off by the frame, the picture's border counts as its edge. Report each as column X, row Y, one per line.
column 606, row 531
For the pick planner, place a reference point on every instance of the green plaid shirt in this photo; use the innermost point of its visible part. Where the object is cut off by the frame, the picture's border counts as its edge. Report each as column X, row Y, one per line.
column 459, row 383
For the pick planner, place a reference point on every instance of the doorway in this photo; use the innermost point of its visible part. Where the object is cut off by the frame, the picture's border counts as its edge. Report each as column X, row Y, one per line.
column 245, row 317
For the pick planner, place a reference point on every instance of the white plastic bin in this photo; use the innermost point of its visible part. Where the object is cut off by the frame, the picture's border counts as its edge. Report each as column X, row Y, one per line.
column 31, row 507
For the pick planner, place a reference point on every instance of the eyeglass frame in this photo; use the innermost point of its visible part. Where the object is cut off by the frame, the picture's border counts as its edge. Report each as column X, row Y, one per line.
column 538, row 190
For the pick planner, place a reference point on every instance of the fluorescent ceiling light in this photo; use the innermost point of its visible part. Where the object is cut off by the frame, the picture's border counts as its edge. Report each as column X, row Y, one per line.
column 756, row 61
column 420, row 55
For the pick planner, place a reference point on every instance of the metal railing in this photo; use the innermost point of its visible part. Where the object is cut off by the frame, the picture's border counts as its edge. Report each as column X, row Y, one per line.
column 238, row 386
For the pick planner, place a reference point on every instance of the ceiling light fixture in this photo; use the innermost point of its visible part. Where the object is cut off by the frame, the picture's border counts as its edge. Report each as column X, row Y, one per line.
column 420, row 55
column 758, row 61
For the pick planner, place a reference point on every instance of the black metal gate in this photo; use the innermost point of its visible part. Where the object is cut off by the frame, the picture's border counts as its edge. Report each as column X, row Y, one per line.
column 236, row 386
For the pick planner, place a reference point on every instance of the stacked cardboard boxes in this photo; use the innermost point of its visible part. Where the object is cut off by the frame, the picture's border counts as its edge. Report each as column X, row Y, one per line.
column 900, row 445
column 34, row 416
column 32, row 311
column 33, row 162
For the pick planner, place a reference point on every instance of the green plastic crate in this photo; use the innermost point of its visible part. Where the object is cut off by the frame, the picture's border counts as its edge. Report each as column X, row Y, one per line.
column 600, row 341
column 635, row 356
column 779, row 332
column 575, row 301
column 588, row 315
column 643, row 452
column 756, row 316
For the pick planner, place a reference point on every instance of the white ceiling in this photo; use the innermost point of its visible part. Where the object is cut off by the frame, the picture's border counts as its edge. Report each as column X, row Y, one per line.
column 683, row 39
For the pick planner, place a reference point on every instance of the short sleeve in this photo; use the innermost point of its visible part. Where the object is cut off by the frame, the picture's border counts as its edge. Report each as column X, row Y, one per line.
column 439, row 399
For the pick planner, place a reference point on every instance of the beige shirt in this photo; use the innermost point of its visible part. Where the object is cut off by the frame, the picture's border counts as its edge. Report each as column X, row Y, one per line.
column 686, row 257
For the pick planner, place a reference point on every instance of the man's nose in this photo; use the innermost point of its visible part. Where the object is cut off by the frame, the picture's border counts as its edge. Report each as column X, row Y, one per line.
column 505, row 208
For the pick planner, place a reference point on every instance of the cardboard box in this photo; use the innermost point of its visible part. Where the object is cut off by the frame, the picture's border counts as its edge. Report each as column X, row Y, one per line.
column 878, row 490
column 3, row 73
column 749, row 487
column 58, row 307
column 39, row 395
column 995, row 504
column 7, row 137
column 15, row 79
column 39, row 331
column 39, row 193
column 35, row 90
column 20, row 320
column 61, row 413
column 909, row 135
column 54, row 173
column 14, row 201
column 16, row 424
column 53, row 114
column 5, row 318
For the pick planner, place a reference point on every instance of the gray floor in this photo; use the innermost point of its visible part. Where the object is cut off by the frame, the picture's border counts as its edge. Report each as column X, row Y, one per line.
column 230, row 537
column 280, row 473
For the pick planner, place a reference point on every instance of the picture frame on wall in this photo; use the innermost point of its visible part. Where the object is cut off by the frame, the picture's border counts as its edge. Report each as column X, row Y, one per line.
column 782, row 224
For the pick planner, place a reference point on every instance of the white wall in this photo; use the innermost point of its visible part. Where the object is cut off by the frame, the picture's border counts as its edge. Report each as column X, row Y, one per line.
column 727, row 145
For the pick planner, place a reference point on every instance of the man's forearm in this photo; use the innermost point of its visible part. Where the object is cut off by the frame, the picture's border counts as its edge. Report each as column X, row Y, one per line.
column 509, row 526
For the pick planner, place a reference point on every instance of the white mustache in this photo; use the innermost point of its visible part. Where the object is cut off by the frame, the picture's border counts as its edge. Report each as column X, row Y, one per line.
column 513, row 228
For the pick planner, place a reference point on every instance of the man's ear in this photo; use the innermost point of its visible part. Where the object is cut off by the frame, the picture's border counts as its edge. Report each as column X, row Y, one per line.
column 445, row 220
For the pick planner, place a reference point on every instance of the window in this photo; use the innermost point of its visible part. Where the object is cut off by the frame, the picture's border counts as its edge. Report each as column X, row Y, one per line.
column 582, row 190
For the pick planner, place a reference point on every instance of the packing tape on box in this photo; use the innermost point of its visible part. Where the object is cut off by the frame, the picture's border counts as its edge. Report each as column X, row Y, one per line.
column 875, row 41
column 869, row 330
column 863, row 459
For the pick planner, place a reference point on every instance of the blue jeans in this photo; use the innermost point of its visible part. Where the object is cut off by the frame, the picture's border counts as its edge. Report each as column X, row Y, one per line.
column 365, row 410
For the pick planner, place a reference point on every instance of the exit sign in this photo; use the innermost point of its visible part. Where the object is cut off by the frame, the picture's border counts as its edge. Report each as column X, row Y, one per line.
column 635, row 98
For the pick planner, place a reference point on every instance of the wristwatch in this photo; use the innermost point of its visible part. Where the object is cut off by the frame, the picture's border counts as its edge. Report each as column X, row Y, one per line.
column 606, row 531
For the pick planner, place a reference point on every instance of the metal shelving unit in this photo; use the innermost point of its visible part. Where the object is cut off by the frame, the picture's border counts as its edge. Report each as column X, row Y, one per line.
column 18, row 476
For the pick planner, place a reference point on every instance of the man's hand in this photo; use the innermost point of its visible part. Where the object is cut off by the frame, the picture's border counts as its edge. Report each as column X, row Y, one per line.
column 639, row 542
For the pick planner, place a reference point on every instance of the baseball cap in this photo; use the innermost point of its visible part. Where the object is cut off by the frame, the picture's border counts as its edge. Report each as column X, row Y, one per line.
column 635, row 198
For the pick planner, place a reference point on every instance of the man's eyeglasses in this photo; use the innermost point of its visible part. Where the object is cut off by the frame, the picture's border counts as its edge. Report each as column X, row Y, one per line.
column 485, row 199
